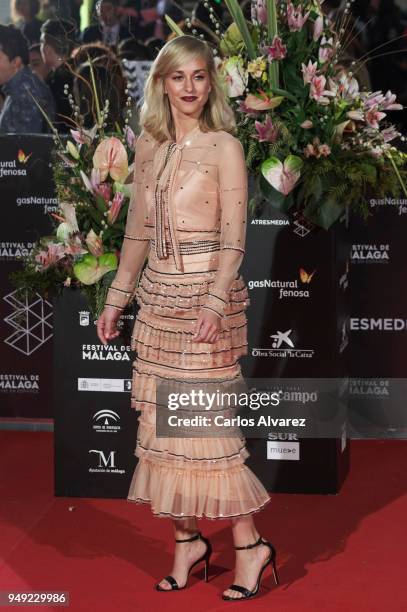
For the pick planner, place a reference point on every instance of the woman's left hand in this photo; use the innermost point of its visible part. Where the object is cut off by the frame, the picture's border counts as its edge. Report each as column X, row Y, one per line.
column 207, row 327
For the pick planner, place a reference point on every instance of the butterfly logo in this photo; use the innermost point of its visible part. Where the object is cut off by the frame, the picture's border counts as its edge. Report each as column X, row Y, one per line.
column 305, row 277
column 22, row 157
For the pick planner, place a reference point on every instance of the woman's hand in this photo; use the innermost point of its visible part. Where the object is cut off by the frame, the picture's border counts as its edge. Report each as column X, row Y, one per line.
column 207, row 327
column 107, row 324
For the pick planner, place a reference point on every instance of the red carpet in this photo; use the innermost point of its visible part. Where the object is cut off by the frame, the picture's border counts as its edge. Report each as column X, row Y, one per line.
column 344, row 552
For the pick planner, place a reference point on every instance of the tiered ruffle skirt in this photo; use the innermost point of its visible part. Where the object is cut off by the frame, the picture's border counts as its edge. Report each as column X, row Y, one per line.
column 183, row 477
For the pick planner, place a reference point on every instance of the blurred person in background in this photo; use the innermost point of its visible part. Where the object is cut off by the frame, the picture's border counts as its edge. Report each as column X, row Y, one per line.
column 57, row 43
column 24, row 15
column 37, row 64
column 108, row 30
column 20, row 114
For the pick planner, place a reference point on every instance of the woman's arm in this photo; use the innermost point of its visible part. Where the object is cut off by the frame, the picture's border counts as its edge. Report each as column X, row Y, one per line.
column 233, row 202
column 135, row 246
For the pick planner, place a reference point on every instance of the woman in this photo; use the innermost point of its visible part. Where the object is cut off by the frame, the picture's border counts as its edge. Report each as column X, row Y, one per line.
column 188, row 213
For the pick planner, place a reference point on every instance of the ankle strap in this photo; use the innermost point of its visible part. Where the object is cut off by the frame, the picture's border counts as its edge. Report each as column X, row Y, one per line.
column 259, row 541
column 194, row 537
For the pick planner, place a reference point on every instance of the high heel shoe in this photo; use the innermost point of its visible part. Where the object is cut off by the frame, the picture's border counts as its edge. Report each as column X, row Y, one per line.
column 205, row 557
column 246, row 593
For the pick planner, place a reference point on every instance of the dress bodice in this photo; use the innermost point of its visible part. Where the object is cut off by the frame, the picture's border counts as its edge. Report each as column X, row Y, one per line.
column 205, row 203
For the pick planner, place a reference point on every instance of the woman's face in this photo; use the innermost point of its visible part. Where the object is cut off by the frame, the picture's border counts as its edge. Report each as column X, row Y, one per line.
column 188, row 88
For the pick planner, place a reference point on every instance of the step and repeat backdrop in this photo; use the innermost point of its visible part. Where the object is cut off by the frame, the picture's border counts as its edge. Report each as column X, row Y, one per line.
column 323, row 305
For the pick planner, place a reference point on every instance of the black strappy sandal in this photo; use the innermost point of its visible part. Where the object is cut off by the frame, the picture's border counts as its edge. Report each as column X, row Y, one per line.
column 246, row 593
column 205, row 557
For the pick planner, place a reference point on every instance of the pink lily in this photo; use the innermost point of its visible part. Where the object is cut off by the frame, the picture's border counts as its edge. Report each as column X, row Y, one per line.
column 94, row 243
column 267, row 131
column 295, row 18
column 49, row 257
column 81, row 137
column 309, row 71
column 115, row 207
column 276, row 51
column 318, row 27
column 104, row 190
column 373, row 116
column 259, row 11
column 318, row 91
column 93, row 183
column 372, row 99
column 325, row 50
column 130, row 137
column 388, row 102
column 390, row 133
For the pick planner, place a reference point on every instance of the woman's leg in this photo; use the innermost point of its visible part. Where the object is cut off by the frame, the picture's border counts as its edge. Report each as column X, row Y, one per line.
column 249, row 561
column 185, row 552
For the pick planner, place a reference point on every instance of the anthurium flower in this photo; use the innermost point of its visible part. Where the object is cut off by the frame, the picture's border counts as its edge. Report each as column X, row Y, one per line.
column 72, row 150
column 94, row 243
column 231, row 42
column 110, row 157
column 262, row 102
column 283, row 176
column 266, row 131
column 115, row 207
column 235, row 76
column 243, row 108
column 340, row 128
column 307, row 124
column 90, row 268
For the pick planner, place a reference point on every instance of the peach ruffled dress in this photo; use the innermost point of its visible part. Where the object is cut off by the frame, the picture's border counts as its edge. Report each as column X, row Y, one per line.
column 187, row 216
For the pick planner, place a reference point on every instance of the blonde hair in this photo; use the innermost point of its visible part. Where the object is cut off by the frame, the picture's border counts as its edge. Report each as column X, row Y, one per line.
column 155, row 115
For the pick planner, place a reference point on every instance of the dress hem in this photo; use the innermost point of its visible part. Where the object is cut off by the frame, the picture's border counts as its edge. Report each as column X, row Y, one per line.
column 140, row 500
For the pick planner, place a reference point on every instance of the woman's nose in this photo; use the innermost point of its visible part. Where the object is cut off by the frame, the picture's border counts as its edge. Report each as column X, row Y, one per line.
column 189, row 85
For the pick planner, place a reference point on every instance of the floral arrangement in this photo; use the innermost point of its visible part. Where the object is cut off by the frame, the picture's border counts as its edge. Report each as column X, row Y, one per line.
column 314, row 141
column 90, row 171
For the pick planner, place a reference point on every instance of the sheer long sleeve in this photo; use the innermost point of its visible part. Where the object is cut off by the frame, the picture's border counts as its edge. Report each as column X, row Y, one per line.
column 233, row 202
column 136, row 244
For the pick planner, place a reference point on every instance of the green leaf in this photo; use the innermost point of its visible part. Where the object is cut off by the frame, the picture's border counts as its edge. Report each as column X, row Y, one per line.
column 325, row 214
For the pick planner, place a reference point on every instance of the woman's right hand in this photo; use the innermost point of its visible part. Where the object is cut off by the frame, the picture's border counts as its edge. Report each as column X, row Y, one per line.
column 107, row 324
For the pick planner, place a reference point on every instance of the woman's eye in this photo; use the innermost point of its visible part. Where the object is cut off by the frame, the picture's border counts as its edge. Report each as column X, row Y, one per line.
column 198, row 76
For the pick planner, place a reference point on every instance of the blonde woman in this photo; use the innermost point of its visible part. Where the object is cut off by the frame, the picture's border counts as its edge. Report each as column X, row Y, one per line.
column 188, row 214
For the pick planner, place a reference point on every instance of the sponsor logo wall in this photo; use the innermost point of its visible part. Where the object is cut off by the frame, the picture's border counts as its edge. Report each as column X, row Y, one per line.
column 26, row 326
